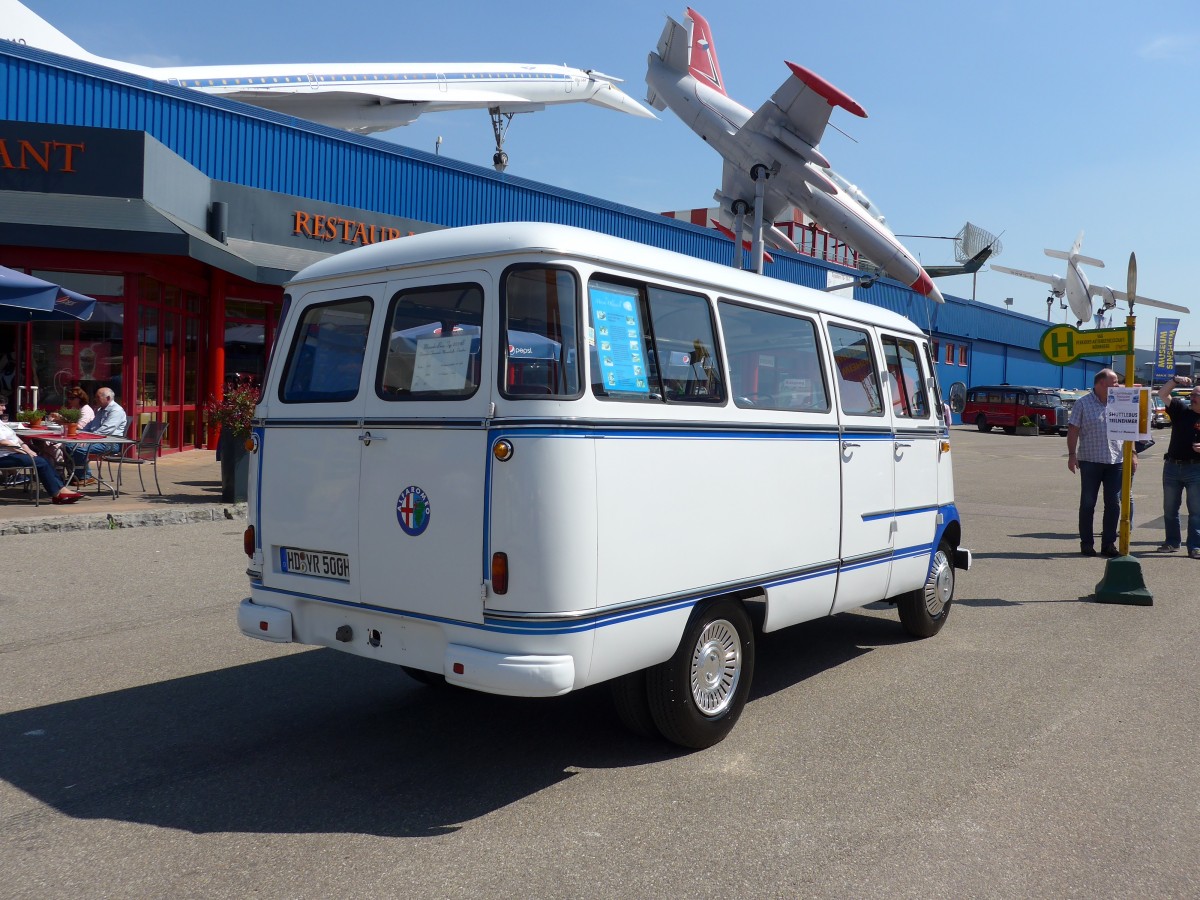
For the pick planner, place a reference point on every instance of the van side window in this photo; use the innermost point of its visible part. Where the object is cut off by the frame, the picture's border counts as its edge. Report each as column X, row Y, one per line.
column 858, row 378
column 652, row 343
column 774, row 362
column 909, row 400
column 685, row 348
column 326, row 357
column 540, row 339
column 431, row 347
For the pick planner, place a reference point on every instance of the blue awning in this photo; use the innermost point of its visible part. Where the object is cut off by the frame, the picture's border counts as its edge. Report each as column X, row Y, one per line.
column 24, row 298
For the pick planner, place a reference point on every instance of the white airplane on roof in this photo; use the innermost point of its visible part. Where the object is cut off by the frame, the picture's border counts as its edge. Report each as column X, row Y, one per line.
column 360, row 97
column 1076, row 287
column 780, row 139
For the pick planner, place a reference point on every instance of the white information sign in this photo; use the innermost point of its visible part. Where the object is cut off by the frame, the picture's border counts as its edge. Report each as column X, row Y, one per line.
column 441, row 363
column 841, row 280
column 1128, row 414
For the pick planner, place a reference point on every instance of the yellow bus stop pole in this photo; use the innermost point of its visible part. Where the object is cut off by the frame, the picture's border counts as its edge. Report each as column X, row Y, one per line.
column 1122, row 581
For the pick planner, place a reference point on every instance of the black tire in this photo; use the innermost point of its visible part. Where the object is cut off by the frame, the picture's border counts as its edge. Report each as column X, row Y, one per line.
column 698, row 694
column 1010, row 429
column 924, row 611
column 981, row 423
column 632, row 704
column 429, row 679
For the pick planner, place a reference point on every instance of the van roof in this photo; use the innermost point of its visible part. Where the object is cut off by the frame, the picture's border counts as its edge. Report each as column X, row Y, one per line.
column 507, row 238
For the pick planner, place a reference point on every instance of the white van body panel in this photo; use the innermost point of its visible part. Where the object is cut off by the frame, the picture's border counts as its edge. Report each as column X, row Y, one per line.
column 616, row 518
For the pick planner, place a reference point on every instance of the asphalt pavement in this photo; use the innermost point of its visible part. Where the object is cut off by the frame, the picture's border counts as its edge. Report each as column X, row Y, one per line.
column 1042, row 745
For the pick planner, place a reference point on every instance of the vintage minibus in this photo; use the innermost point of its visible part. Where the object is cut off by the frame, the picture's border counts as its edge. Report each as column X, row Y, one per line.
column 527, row 458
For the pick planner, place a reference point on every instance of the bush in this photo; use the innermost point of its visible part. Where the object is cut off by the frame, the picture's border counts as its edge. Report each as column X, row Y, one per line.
column 31, row 415
column 235, row 411
column 71, row 416
column 1025, row 422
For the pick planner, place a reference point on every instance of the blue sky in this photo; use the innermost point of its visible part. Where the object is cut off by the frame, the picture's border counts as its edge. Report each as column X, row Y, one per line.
column 1034, row 120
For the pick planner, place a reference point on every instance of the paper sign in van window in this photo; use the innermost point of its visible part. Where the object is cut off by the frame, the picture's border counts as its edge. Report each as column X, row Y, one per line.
column 617, row 321
column 442, row 363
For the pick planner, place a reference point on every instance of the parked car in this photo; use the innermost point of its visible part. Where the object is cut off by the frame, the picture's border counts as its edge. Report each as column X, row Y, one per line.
column 1004, row 405
column 1158, row 413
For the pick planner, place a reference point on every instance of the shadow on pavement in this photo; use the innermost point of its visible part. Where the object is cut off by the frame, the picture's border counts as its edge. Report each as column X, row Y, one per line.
column 320, row 741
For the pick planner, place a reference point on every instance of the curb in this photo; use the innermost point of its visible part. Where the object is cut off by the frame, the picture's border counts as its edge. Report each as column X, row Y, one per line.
column 179, row 515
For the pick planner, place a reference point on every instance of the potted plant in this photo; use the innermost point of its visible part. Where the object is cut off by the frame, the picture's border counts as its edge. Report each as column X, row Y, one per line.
column 1027, row 427
column 70, row 419
column 31, row 417
column 234, row 413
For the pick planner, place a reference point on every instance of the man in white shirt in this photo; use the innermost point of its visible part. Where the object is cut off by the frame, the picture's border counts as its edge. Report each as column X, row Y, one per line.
column 111, row 420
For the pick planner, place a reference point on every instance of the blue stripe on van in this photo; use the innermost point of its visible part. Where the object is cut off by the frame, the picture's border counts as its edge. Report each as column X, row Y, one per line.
column 604, row 618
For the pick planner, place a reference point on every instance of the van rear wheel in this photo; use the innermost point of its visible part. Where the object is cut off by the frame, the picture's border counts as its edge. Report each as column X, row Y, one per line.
column 698, row 694
column 981, row 423
column 923, row 612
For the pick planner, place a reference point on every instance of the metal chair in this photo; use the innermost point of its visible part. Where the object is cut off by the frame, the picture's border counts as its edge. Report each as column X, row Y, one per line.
column 149, row 446
column 30, row 481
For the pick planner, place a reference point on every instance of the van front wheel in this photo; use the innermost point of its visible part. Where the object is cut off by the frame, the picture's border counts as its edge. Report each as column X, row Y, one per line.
column 698, row 694
column 981, row 423
column 923, row 612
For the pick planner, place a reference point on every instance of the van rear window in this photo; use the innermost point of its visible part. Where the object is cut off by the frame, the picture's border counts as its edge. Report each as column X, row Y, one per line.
column 432, row 345
column 325, row 362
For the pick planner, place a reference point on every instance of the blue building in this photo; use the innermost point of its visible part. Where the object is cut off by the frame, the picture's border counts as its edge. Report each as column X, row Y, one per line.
column 185, row 214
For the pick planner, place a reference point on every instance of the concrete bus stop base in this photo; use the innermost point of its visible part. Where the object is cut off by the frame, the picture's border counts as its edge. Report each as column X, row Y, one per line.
column 1123, row 583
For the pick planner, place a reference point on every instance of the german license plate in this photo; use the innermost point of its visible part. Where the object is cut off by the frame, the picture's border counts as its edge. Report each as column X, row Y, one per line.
column 317, row 563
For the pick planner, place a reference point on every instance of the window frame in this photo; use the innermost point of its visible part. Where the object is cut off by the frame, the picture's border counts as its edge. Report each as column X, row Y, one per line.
column 815, row 324
column 384, row 344
column 898, row 341
column 871, row 337
column 650, row 348
column 502, row 333
column 297, row 339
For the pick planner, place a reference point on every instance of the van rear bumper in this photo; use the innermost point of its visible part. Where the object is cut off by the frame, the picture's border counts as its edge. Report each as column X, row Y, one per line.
column 509, row 674
column 267, row 623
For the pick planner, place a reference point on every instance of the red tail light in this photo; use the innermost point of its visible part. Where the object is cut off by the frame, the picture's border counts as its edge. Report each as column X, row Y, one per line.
column 500, row 573
column 248, row 541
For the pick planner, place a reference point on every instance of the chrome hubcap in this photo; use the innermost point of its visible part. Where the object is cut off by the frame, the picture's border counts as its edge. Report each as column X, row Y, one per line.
column 939, row 587
column 716, row 667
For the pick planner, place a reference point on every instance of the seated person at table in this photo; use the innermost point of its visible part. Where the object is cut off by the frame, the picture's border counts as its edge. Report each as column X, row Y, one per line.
column 13, row 452
column 110, row 420
column 76, row 398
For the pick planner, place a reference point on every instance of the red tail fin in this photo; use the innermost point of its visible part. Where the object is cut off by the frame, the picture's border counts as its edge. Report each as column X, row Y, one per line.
column 702, row 61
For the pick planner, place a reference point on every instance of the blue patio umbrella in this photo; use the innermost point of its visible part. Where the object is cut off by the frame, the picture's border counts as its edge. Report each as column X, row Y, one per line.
column 24, row 298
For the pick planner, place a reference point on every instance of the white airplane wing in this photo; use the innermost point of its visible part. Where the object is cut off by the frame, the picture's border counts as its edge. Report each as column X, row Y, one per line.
column 802, row 106
column 1055, row 281
column 1108, row 295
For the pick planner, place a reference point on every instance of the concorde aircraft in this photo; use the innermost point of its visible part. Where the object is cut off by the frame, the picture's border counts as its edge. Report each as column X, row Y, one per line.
column 1076, row 287
column 360, row 97
column 781, row 139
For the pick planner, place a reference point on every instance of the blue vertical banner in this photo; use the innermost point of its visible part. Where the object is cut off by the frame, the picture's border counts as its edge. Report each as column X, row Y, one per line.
column 1164, row 348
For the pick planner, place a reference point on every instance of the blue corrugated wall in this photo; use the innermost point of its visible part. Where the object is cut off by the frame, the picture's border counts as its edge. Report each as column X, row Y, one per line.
column 232, row 142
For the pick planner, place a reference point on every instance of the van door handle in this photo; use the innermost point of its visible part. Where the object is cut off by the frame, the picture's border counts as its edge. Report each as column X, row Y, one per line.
column 903, row 444
column 366, row 437
column 846, row 445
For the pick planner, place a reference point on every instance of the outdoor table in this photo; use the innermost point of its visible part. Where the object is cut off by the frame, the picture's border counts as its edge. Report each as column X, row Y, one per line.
column 85, row 437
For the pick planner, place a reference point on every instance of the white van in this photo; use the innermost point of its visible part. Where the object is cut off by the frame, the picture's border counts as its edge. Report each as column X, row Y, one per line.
column 528, row 458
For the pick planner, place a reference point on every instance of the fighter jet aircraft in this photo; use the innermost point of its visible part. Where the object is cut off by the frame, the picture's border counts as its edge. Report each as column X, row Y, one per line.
column 779, row 140
column 1076, row 287
column 360, row 97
